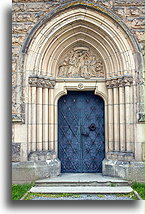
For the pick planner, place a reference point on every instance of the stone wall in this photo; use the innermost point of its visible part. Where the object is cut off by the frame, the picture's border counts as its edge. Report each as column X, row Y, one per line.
column 26, row 14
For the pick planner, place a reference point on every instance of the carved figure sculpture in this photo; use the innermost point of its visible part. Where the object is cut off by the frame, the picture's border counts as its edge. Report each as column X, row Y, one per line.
column 81, row 62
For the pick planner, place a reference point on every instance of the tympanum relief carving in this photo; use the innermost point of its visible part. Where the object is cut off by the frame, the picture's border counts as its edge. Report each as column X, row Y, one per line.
column 81, row 62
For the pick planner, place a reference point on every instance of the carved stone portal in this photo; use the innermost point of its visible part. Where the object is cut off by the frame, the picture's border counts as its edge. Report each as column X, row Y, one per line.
column 81, row 62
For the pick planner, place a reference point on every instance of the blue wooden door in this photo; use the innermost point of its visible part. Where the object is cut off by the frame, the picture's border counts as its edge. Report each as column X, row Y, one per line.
column 81, row 141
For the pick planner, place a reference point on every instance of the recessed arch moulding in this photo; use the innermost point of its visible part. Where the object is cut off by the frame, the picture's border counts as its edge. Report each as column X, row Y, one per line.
column 83, row 26
column 88, row 45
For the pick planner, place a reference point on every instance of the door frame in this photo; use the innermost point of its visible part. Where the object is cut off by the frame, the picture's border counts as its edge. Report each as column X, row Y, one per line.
column 62, row 89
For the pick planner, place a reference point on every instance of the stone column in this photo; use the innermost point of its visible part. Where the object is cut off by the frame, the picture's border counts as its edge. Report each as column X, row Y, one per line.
column 51, row 119
column 33, row 119
column 122, row 115
column 110, row 117
column 45, row 119
column 128, row 82
column 30, row 121
column 51, row 116
column 116, row 115
column 39, row 118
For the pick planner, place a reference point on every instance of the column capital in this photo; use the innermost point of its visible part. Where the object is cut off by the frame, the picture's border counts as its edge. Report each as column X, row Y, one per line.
column 119, row 82
column 112, row 83
column 41, row 82
column 128, row 80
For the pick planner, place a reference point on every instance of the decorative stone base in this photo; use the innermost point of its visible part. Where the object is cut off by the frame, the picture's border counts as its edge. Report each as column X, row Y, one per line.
column 131, row 171
column 27, row 172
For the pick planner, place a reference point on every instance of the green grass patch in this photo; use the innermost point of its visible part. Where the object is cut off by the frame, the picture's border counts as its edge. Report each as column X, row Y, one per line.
column 100, row 196
column 57, row 195
column 18, row 190
column 128, row 195
column 113, row 185
column 140, row 189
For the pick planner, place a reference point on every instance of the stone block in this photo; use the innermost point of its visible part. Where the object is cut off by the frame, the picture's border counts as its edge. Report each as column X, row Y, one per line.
column 134, row 11
column 139, row 35
column 128, row 2
column 17, row 40
column 120, row 156
column 14, row 79
column 27, row 172
column 15, row 51
column 16, row 151
column 120, row 11
column 42, row 6
column 20, row 133
column 136, row 23
column 14, row 64
column 27, row 16
column 21, row 28
column 131, row 171
column 18, row 7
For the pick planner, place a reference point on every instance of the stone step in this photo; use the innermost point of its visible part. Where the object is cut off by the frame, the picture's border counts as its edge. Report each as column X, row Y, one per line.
column 95, row 183
column 76, row 179
column 82, row 189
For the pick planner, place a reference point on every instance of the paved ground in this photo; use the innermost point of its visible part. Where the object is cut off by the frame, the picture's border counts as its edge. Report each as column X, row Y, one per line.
column 85, row 197
column 81, row 177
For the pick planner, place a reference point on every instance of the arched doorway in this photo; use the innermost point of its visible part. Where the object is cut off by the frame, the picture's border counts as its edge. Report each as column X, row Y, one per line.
column 81, row 137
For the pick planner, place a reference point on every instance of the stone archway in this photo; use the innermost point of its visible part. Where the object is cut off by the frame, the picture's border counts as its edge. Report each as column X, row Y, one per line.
column 108, row 56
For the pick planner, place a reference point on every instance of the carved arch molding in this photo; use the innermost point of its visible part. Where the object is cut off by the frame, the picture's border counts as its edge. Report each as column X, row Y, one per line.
column 84, row 43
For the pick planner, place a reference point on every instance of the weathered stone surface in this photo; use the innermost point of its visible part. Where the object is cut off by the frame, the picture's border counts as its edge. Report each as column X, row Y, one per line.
column 34, row 0
column 27, row 172
column 134, row 11
column 120, row 11
column 81, row 189
column 15, row 50
column 128, row 2
column 121, row 156
column 41, row 155
column 131, row 171
column 17, row 40
column 16, row 148
column 140, row 35
column 31, row 7
column 136, row 23
column 14, row 64
column 21, row 28
column 27, row 16
column 18, row 7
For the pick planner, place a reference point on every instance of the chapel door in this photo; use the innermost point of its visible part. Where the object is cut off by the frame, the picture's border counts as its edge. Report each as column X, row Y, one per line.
column 81, row 141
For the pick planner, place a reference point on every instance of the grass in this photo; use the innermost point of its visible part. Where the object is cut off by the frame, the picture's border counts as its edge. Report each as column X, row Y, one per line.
column 18, row 190
column 58, row 195
column 128, row 195
column 140, row 189
column 100, row 195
